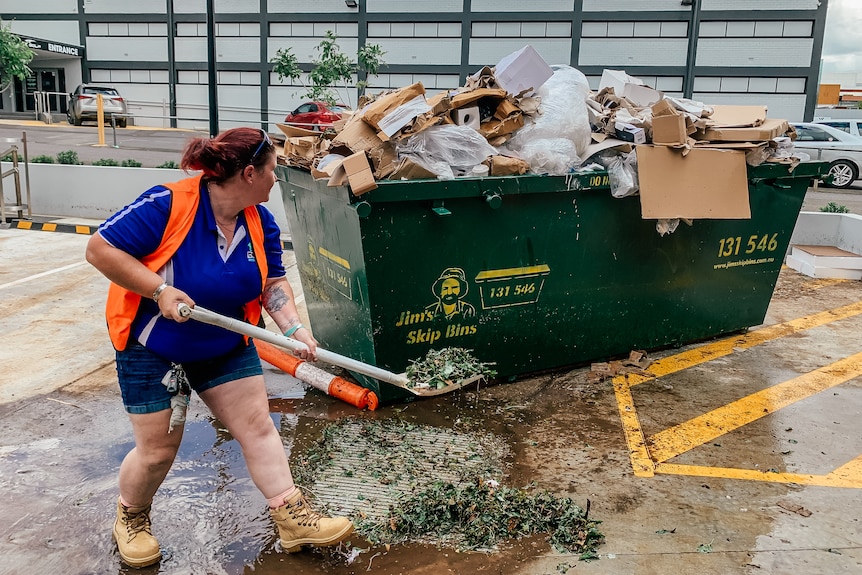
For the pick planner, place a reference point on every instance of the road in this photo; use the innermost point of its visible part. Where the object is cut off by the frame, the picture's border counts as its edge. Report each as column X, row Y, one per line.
column 150, row 147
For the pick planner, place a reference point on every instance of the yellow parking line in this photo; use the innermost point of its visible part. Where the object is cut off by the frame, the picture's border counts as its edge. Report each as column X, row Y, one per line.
column 721, row 348
column 829, row 480
column 49, row 227
column 641, row 462
column 639, row 452
column 680, row 438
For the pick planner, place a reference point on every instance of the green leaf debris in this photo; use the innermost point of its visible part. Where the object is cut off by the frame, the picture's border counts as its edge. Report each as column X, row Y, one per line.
column 479, row 515
column 435, row 485
column 447, row 366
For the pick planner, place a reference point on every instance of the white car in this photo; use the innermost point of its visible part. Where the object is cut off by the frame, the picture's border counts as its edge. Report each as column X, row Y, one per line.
column 843, row 151
column 852, row 127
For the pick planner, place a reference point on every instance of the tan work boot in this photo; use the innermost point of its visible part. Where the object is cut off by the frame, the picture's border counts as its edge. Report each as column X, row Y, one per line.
column 298, row 525
column 135, row 541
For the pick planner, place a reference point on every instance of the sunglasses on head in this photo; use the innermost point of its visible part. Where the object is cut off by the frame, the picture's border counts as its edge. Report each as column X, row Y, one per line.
column 263, row 144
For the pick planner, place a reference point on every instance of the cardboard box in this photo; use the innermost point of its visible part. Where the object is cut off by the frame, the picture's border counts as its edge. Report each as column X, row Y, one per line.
column 617, row 79
column 629, row 133
column 353, row 170
column 359, row 136
column 770, row 128
column 520, row 71
column 705, row 183
column 669, row 130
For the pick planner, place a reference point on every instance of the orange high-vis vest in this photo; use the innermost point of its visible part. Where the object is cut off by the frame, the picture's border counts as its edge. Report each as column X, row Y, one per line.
column 122, row 305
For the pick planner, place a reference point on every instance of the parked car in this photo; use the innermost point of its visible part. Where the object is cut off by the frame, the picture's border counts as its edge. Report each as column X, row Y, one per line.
column 852, row 127
column 843, row 151
column 316, row 115
column 83, row 102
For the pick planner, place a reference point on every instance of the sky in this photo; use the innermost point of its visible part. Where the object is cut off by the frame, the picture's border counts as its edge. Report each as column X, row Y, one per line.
column 842, row 42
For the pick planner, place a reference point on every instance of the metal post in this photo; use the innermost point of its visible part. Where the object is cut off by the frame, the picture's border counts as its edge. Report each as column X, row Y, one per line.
column 114, row 129
column 211, row 69
column 691, row 57
column 27, row 174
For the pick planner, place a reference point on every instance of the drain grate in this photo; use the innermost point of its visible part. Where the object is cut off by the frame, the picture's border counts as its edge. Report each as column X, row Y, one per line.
column 367, row 466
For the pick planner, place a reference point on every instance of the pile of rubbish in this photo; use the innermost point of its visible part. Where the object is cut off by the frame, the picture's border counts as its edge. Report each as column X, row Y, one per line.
column 524, row 116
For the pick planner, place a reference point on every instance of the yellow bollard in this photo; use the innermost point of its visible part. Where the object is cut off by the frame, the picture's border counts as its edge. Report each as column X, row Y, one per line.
column 100, row 117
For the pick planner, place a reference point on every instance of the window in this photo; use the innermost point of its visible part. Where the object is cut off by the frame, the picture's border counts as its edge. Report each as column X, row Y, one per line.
column 806, row 134
column 843, row 126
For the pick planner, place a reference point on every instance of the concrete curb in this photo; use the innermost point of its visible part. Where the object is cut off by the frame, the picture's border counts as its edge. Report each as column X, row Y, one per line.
column 286, row 243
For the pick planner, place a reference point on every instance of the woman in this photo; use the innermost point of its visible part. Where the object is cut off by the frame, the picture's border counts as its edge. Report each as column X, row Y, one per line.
column 202, row 240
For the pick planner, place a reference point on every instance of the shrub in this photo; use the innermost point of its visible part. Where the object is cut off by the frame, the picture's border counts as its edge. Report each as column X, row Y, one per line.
column 106, row 162
column 69, row 157
column 834, row 208
column 43, row 159
column 6, row 158
column 131, row 163
column 169, row 165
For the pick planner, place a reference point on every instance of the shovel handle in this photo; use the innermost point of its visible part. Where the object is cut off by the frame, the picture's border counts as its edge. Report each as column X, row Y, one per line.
column 203, row 315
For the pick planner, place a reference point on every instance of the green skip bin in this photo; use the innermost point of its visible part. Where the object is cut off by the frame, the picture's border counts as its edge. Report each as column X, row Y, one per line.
column 530, row 272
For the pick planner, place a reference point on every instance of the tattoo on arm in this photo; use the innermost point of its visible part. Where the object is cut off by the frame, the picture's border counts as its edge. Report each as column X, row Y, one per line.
column 274, row 299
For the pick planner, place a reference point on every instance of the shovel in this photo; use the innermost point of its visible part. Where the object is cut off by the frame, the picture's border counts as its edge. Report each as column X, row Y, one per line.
column 238, row 326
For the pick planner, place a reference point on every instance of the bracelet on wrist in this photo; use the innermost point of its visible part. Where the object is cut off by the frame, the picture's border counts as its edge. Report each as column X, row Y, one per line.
column 158, row 291
column 293, row 330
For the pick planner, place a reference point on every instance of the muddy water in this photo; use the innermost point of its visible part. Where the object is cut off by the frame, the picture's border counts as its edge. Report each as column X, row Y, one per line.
column 58, row 485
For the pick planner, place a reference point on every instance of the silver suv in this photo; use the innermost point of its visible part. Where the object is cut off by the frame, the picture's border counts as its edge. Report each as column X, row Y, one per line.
column 82, row 104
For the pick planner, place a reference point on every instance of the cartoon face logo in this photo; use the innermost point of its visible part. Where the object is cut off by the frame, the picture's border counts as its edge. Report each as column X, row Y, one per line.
column 450, row 289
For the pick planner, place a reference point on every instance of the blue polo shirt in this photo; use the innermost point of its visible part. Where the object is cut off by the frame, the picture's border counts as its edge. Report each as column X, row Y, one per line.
column 197, row 268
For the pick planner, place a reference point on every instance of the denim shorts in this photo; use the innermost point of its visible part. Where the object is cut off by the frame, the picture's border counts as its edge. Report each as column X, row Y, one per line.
column 140, row 373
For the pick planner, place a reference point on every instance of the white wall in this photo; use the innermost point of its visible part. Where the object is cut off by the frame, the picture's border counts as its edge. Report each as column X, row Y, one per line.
column 55, row 30
column 41, row 6
column 96, row 192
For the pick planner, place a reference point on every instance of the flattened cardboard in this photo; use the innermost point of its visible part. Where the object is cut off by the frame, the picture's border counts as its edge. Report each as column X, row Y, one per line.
column 640, row 95
column 704, row 184
column 771, row 128
column 724, row 116
column 494, row 128
column 374, row 112
column 467, row 98
column 607, row 144
column 399, row 117
column 295, row 132
column 410, row 170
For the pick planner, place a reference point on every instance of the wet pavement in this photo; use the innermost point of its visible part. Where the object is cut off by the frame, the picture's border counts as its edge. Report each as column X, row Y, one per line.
column 743, row 455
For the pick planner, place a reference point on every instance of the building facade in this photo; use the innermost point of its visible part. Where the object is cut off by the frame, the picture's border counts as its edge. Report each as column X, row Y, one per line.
column 156, row 52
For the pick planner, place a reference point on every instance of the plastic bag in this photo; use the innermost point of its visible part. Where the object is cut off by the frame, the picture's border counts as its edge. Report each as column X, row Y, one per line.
column 445, row 150
column 563, row 116
column 622, row 173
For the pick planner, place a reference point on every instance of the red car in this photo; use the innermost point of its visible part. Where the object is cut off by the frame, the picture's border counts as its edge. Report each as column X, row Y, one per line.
column 316, row 115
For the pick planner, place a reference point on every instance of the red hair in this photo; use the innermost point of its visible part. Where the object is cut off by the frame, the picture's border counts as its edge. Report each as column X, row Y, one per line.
column 220, row 158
